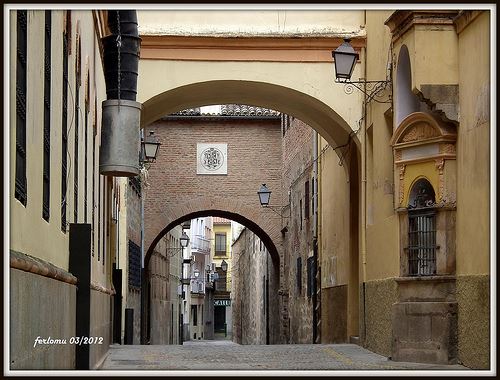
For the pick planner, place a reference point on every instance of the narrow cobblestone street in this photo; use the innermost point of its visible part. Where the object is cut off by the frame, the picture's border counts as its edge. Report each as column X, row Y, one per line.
column 226, row 355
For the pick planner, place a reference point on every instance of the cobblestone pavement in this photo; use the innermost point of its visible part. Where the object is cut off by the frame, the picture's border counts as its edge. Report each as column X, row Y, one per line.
column 226, row 355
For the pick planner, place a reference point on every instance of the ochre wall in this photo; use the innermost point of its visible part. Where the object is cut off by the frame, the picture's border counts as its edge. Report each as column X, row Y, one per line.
column 473, row 195
column 473, row 150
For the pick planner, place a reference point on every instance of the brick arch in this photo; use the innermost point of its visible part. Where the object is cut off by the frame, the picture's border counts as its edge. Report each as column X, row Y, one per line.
column 265, row 224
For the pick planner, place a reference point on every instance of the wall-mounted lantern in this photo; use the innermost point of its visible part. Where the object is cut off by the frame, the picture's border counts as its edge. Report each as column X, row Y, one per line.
column 345, row 58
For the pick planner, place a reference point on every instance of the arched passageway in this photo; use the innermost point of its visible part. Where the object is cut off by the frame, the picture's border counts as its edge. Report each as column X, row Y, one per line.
column 174, row 194
column 266, row 264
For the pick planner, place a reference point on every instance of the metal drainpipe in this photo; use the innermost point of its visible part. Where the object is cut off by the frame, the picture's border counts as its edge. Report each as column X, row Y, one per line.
column 363, row 190
column 144, row 279
column 315, row 186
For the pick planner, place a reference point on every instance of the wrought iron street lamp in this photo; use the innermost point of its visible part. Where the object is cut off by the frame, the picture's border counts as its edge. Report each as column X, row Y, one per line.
column 345, row 58
column 184, row 239
column 223, row 265
column 150, row 145
column 264, row 196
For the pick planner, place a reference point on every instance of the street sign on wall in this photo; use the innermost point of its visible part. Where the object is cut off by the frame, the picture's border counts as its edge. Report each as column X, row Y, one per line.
column 222, row 302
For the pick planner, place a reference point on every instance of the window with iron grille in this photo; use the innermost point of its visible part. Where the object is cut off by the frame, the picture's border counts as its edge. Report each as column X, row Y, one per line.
column 86, row 132
column 21, row 192
column 422, row 230
column 134, row 265
column 136, row 185
column 300, row 213
column 422, row 243
column 46, row 118
column 306, row 200
column 311, row 273
column 99, row 202
column 194, row 313
column 220, row 244
column 299, row 275
column 64, row 158
column 78, row 83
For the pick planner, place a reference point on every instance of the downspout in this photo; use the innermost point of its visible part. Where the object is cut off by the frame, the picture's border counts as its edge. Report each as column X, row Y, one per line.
column 363, row 189
column 315, row 179
column 121, row 114
column 315, row 316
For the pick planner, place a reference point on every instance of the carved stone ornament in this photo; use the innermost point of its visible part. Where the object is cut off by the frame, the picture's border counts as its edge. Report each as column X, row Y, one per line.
column 401, row 183
column 421, row 131
column 440, row 168
column 421, row 127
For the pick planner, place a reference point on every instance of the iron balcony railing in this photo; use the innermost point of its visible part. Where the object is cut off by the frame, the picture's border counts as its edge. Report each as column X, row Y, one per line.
column 200, row 244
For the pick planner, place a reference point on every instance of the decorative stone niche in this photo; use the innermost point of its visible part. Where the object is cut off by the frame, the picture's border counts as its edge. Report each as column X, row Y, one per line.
column 424, row 319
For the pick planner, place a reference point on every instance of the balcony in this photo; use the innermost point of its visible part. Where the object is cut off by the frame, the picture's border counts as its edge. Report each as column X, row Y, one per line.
column 197, row 287
column 199, row 244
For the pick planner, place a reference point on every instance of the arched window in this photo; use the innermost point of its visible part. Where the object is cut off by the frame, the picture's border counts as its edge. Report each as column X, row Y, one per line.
column 422, row 230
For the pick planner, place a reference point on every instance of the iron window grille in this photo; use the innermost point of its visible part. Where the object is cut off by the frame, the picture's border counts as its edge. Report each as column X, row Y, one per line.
column 64, row 158
column 306, row 200
column 134, row 266
column 311, row 274
column 422, row 230
column 135, row 185
column 422, row 242
column 46, row 118
column 21, row 192
column 299, row 275
column 86, row 169
column 77, row 127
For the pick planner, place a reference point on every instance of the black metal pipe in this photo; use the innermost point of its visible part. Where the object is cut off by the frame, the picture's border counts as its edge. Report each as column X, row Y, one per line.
column 121, row 55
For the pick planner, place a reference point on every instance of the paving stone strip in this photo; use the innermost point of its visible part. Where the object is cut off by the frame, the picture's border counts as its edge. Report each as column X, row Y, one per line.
column 226, row 355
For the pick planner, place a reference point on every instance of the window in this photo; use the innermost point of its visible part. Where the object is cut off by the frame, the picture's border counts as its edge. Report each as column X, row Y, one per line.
column 194, row 313
column 64, row 158
column 220, row 244
column 299, row 275
column 311, row 274
column 422, row 230
column 78, row 83
column 46, row 119
column 86, row 132
column 300, row 213
column 21, row 192
column 306, row 200
column 134, row 265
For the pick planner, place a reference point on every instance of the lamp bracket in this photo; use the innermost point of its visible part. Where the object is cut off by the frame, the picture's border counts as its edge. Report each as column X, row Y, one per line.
column 275, row 210
column 373, row 89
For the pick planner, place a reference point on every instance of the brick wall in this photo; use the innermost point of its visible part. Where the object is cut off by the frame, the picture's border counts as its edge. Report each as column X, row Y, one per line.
column 133, row 201
column 254, row 156
column 298, row 244
column 254, row 308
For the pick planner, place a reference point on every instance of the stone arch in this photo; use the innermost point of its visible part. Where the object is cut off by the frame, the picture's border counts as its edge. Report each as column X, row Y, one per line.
column 311, row 110
column 315, row 103
column 421, row 192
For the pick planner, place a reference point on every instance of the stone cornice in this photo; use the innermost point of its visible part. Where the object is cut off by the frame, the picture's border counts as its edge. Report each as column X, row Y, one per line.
column 41, row 267
column 464, row 18
column 100, row 288
column 262, row 48
column 401, row 21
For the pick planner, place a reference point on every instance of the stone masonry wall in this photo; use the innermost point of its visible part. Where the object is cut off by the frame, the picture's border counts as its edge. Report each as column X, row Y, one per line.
column 252, row 266
column 134, row 234
column 298, row 184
